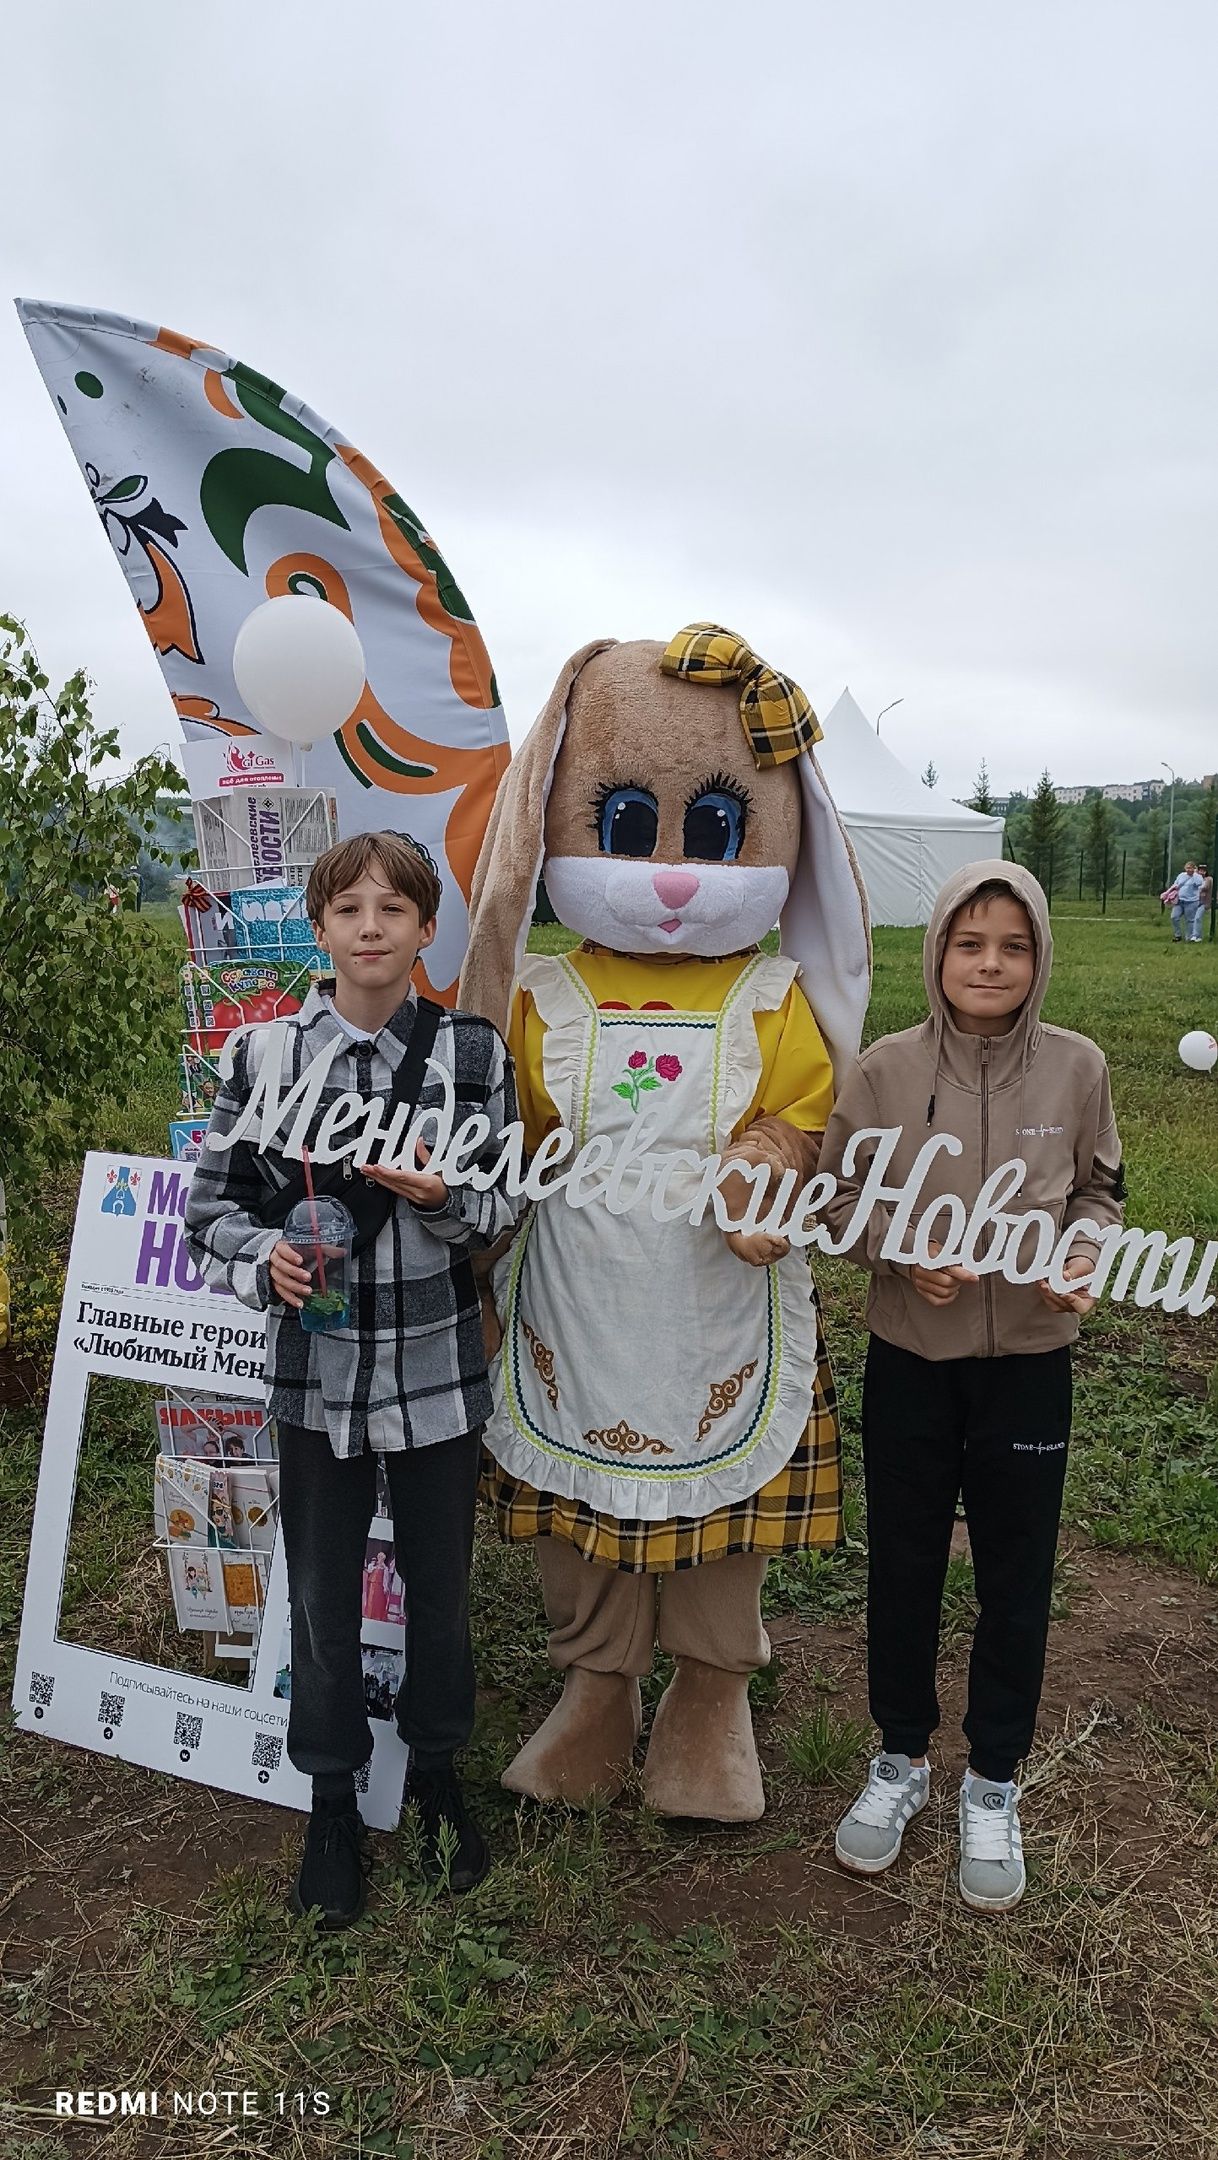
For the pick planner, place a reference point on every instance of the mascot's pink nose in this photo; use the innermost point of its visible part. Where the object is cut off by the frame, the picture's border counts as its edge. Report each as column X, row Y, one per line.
column 675, row 887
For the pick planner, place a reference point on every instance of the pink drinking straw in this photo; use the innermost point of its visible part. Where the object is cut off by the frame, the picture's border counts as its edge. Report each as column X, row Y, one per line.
column 308, row 1178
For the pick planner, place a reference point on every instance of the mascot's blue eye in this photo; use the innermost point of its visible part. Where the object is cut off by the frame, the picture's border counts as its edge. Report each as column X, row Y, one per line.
column 628, row 822
column 714, row 827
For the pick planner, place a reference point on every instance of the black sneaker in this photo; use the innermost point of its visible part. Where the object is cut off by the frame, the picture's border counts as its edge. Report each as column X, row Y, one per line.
column 334, row 1870
column 437, row 1799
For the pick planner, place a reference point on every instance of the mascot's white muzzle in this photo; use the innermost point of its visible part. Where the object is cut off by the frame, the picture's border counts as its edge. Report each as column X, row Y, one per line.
column 647, row 907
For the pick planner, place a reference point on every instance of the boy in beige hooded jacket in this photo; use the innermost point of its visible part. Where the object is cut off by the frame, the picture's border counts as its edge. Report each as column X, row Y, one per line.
column 968, row 1383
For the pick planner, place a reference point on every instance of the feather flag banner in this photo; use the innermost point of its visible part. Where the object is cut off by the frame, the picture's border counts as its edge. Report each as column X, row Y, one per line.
column 218, row 491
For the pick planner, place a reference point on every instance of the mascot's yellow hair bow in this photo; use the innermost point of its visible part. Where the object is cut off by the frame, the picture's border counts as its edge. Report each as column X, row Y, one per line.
column 774, row 713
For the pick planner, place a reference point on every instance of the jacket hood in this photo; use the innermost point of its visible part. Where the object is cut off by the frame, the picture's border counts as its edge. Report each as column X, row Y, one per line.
column 956, row 1055
column 958, row 890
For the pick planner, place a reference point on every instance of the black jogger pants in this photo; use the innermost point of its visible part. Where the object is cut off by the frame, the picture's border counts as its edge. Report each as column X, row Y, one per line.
column 325, row 1507
column 996, row 1431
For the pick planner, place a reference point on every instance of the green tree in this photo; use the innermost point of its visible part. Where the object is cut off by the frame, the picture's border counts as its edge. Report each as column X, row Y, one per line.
column 174, row 842
column 1122, row 855
column 930, row 777
column 82, row 994
column 1044, row 830
column 1097, row 832
column 981, row 798
column 1201, row 826
column 1152, row 834
column 1016, row 833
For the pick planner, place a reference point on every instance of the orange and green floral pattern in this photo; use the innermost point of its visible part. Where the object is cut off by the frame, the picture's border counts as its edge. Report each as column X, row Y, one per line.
column 217, row 490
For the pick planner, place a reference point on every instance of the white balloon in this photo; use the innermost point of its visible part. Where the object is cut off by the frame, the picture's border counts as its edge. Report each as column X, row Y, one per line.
column 1199, row 1051
column 299, row 666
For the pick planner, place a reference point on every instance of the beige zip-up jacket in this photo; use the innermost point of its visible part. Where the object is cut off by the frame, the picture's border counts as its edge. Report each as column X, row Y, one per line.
column 1040, row 1093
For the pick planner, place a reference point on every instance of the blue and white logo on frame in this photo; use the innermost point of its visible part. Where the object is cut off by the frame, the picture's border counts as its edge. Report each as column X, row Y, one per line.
column 119, row 1196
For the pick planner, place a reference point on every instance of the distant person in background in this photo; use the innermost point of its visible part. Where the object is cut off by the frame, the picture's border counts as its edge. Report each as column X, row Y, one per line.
column 376, row 1586
column 1187, row 888
column 1205, row 900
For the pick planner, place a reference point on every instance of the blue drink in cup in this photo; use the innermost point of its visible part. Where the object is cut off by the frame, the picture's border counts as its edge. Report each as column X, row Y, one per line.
column 321, row 1234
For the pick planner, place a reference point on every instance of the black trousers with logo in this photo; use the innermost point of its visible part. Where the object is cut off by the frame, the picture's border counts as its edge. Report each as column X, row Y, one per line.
column 325, row 1507
column 995, row 1431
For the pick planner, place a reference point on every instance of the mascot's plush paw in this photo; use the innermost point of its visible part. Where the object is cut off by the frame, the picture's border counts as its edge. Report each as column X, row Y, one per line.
column 584, row 1749
column 702, row 1758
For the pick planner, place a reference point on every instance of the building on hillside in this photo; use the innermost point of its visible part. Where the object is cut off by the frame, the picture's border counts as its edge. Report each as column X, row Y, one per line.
column 1130, row 791
column 1135, row 791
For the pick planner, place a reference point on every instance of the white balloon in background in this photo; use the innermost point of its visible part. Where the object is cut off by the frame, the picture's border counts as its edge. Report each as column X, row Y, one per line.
column 299, row 666
column 1199, row 1051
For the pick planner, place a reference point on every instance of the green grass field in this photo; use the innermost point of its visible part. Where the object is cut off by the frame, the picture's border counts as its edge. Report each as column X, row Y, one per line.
column 622, row 1987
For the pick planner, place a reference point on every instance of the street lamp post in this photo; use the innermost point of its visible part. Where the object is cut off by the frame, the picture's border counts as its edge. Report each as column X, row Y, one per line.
column 886, row 708
column 1171, row 816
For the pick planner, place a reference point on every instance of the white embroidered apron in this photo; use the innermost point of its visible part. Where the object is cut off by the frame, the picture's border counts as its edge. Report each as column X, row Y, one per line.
column 645, row 1369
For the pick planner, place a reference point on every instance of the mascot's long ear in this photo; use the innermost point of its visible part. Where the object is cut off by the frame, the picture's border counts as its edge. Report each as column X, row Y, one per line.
column 509, row 864
column 826, row 925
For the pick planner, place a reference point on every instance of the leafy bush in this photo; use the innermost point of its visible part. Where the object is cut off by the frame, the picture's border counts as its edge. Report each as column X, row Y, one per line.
column 81, row 988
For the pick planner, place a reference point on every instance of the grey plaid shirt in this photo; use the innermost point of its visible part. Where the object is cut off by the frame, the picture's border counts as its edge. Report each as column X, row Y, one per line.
column 412, row 1368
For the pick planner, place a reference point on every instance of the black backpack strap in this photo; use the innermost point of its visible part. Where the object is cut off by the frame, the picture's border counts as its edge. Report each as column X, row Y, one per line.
column 407, row 1084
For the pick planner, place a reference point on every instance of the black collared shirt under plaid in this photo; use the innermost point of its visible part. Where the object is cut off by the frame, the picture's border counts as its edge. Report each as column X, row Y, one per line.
column 411, row 1369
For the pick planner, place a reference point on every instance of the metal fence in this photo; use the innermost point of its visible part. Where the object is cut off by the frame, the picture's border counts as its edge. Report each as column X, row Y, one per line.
column 1070, row 870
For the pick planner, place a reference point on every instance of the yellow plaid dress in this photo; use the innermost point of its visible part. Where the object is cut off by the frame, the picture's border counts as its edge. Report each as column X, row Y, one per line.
column 801, row 1505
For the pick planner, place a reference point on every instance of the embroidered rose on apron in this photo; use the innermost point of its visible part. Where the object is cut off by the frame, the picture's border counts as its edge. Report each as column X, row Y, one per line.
column 644, row 1369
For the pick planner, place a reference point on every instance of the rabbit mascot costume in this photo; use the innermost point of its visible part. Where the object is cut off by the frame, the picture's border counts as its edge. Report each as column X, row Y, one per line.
column 665, row 1416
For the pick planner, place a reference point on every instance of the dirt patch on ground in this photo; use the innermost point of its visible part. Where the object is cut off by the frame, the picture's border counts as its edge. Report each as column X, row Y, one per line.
column 1137, row 1651
column 110, row 1867
column 81, row 1877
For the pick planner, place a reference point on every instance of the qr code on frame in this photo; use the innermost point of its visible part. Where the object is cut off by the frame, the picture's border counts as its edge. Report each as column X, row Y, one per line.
column 110, row 1709
column 268, row 1748
column 42, row 1687
column 187, row 1731
column 361, row 1777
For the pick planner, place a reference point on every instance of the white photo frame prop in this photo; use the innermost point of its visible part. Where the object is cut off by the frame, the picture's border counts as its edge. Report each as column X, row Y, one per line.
column 134, row 1305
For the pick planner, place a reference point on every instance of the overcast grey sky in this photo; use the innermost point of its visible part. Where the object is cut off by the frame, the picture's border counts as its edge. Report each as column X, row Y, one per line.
column 886, row 335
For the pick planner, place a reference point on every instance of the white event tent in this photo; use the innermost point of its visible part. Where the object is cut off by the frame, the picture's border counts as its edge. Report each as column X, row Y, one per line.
column 908, row 837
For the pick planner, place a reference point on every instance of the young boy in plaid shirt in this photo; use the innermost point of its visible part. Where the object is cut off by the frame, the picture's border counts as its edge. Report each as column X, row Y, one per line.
column 406, row 1381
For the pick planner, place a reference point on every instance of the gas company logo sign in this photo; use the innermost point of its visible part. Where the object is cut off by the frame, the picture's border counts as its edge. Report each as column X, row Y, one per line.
column 247, row 764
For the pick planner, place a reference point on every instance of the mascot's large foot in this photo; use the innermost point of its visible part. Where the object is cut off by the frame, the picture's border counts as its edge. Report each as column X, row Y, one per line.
column 584, row 1749
column 702, row 1758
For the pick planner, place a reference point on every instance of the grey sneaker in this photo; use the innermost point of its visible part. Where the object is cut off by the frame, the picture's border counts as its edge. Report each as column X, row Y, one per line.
column 992, row 1873
column 869, row 1836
